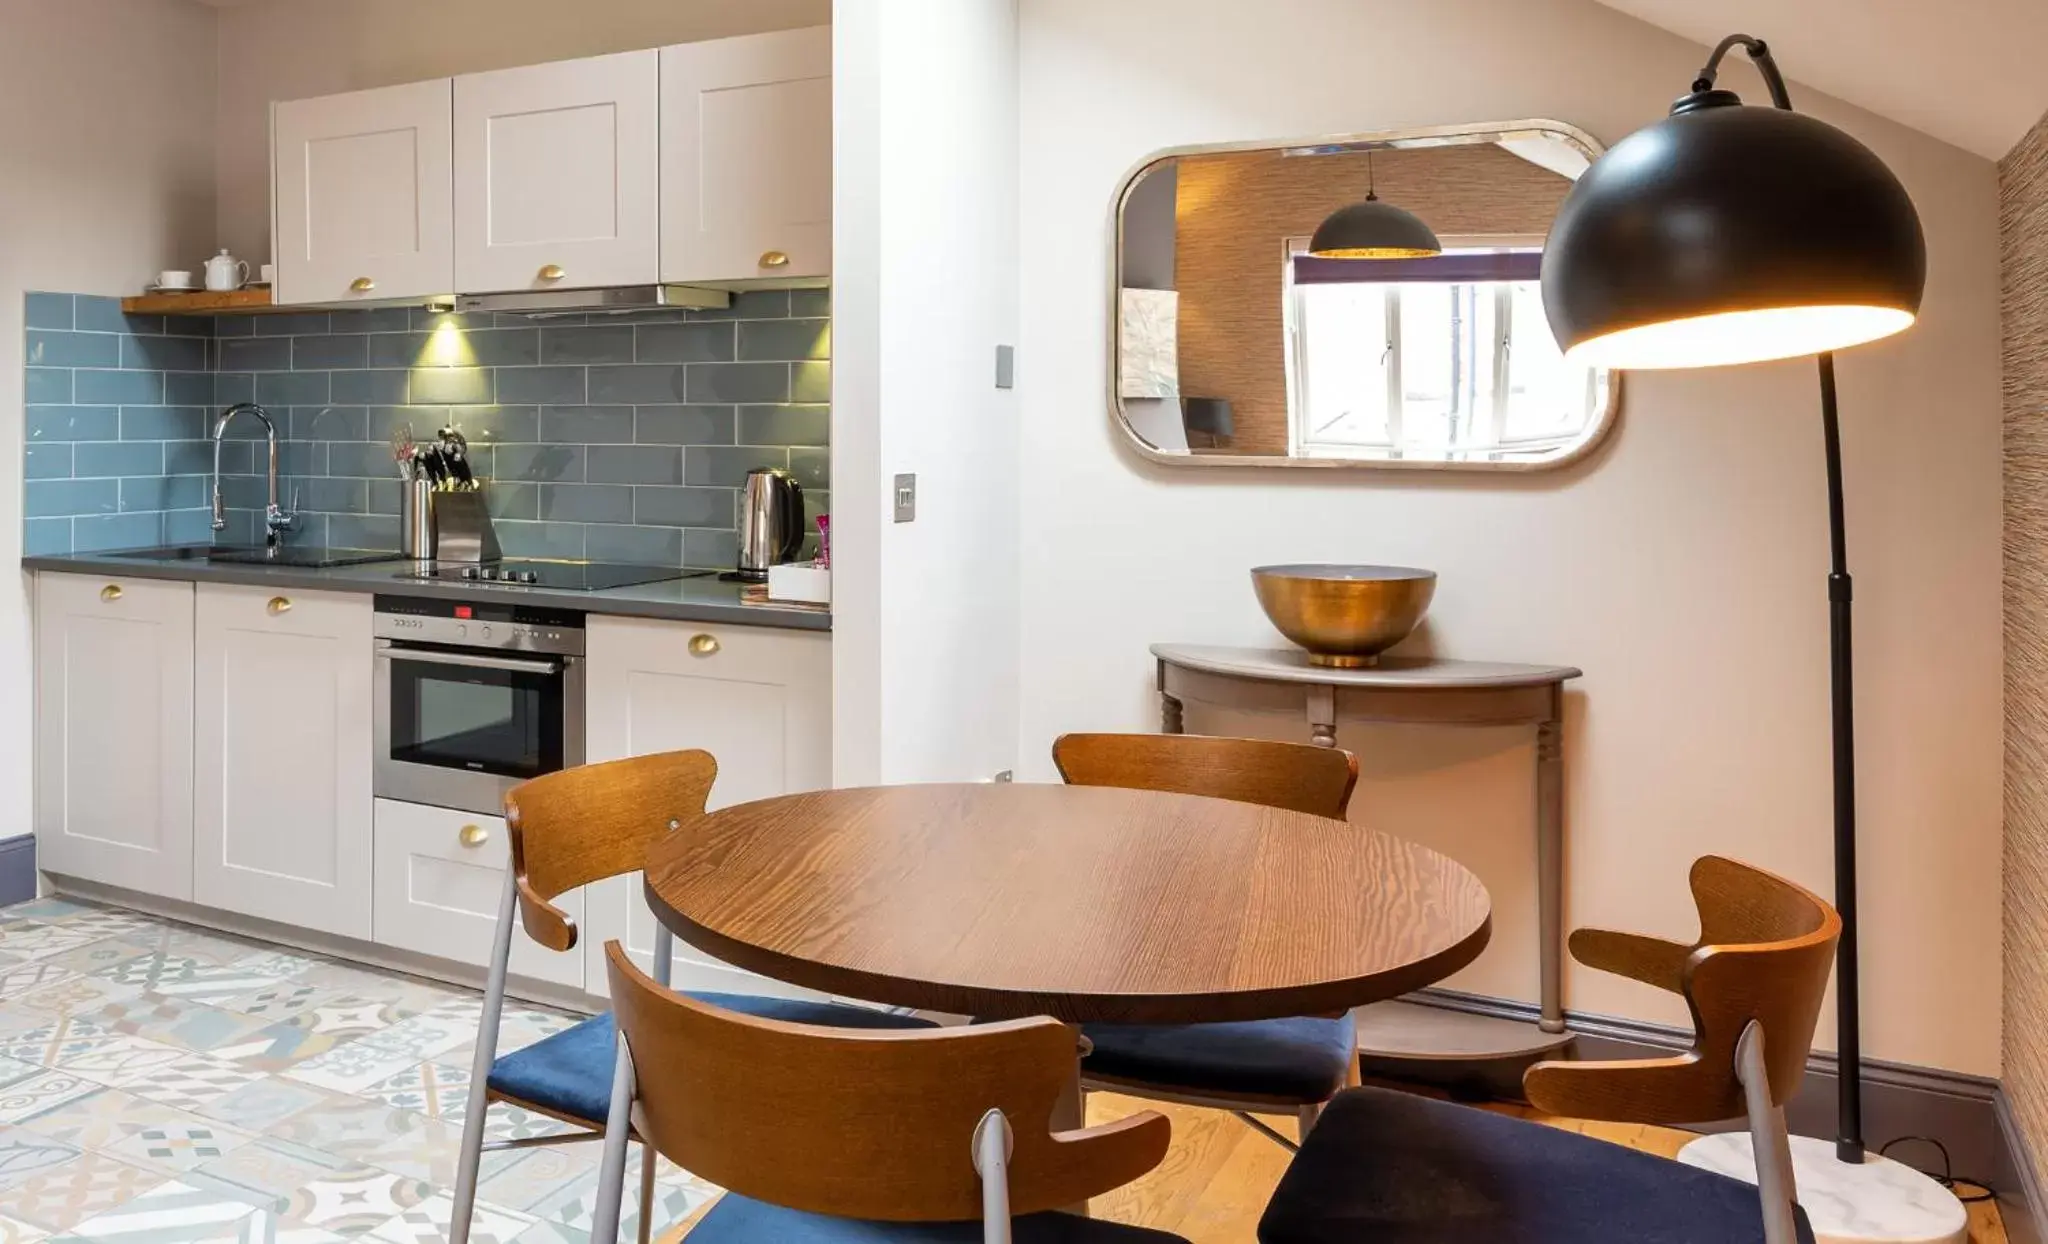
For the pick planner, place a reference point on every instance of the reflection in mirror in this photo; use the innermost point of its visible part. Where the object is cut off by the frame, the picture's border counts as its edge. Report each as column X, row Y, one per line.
column 1235, row 345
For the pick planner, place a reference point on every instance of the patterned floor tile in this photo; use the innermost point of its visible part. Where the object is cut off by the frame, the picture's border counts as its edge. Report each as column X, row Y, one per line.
column 279, row 1047
column 427, row 1223
column 265, row 1227
column 187, row 976
column 97, row 956
column 424, row 1036
column 69, row 995
column 30, row 940
column 280, row 1000
column 575, row 1206
column 350, row 1015
column 14, row 1070
column 120, row 1060
column 426, row 1088
column 59, row 1038
column 13, row 1231
column 277, row 964
column 87, row 1185
column 177, row 1147
column 182, row 941
column 192, row 1081
column 268, row 1169
column 262, row 1103
column 24, row 1099
column 348, row 1127
column 101, row 1120
column 23, row 978
column 188, row 1025
column 354, row 1201
column 170, row 1213
column 539, row 1174
column 23, row 1153
column 52, row 909
column 352, row 1067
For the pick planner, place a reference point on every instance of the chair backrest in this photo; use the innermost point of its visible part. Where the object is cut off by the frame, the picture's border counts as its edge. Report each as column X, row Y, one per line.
column 864, row 1124
column 1294, row 776
column 1763, row 956
column 595, row 821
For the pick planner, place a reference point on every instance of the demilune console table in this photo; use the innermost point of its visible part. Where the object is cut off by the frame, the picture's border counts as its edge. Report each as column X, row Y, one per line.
column 1419, row 691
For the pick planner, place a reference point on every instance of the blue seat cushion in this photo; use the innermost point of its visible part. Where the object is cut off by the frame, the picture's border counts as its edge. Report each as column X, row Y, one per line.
column 739, row 1220
column 1306, row 1059
column 1397, row 1169
column 570, row 1072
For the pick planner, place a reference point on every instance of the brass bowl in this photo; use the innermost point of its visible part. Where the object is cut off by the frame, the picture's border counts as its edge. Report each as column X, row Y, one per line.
column 1344, row 615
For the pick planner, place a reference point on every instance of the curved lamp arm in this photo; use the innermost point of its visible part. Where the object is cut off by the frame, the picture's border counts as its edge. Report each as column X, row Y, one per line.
column 1759, row 55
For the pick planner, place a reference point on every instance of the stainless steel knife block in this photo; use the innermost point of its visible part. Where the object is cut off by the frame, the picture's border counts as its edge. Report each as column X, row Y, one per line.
column 462, row 528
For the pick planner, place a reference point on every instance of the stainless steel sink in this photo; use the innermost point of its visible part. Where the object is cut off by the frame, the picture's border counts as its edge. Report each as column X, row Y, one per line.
column 304, row 557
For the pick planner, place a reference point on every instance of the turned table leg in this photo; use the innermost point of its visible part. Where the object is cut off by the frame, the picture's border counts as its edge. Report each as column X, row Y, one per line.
column 1550, row 870
column 1322, row 716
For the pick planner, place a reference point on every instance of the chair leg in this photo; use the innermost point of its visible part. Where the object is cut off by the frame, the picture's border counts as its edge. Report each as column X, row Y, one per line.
column 472, row 1154
column 611, row 1173
column 1265, row 1129
column 1305, row 1119
column 646, row 1191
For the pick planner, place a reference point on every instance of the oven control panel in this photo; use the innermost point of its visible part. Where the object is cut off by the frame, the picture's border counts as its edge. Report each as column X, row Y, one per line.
column 503, row 627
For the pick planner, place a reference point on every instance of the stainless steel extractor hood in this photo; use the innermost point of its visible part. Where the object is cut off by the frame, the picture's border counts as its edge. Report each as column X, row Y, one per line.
column 615, row 300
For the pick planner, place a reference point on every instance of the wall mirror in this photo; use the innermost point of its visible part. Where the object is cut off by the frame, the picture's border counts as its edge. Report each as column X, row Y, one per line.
column 1363, row 301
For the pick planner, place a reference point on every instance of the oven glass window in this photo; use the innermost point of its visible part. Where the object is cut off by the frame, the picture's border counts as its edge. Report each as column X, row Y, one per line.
column 507, row 722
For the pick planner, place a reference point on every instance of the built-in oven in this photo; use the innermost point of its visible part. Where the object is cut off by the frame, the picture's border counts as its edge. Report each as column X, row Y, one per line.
column 473, row 698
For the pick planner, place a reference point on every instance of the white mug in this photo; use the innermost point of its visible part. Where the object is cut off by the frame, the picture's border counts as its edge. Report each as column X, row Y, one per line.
column 268, row 274
column 171, row 279
column 224, row 272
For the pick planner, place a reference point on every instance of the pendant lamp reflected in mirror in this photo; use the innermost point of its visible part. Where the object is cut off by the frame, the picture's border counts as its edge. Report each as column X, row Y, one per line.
column 1373, row 230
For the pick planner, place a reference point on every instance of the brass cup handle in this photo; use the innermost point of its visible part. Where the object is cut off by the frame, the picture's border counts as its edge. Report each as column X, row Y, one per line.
column 474, row 835
column 362, row 285
column 775, row 259
column 704, row 645
column 278, row 605
column 552, row 272
column 110, row 593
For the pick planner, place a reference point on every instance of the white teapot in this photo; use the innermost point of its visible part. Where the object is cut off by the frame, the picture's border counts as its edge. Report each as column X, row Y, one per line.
column 224, row 272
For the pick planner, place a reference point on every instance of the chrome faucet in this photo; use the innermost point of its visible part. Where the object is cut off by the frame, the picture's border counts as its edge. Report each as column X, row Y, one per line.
column 276, row 519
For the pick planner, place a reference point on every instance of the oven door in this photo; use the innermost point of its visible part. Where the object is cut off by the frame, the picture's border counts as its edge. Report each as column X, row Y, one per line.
column 457, row 729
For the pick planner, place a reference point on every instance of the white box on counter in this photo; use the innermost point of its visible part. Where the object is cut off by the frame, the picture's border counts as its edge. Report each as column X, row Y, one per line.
column 802, row 582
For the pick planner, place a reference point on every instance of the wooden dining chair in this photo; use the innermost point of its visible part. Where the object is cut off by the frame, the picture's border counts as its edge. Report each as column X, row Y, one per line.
column 1295, row 1064
column 832, row 1136
column 1388, row 1166
column 569, row 829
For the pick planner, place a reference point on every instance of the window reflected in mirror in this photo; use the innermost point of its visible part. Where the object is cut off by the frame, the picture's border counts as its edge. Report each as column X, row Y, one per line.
column 1237, row 345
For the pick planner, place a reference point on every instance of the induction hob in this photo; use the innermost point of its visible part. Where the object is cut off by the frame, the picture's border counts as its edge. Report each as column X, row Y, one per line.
column 560, row 576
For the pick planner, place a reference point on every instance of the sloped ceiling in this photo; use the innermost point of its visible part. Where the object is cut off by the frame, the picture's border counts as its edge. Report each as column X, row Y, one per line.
column 1969, row 72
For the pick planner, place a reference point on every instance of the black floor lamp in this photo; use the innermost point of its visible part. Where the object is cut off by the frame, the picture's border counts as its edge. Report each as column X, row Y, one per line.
column 1730, row 234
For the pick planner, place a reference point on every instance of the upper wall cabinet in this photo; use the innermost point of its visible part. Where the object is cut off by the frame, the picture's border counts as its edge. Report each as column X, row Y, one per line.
column 555, row 175
column 746, row 160
column 362, row 202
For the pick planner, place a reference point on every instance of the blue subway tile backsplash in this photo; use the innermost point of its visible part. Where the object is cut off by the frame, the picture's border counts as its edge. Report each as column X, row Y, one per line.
column 612, row 437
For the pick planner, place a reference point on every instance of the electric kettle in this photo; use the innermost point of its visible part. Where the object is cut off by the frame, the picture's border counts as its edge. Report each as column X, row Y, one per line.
column 771, row 522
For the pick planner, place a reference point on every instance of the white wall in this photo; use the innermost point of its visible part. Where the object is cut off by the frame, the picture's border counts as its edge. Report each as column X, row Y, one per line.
column 925, row 636
column 1682, row 568
column 293, row 49
column 106, row 178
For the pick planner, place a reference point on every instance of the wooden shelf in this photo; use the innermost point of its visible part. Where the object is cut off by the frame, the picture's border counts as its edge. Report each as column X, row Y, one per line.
column 203, row 302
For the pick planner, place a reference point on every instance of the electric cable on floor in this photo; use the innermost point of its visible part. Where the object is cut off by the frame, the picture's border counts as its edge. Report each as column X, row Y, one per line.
column 1947, row 1178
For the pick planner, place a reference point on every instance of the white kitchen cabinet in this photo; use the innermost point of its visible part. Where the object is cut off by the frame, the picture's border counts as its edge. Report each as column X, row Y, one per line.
column 746, row 157
column 757, row 698
column 364, row 195
column 113, row 796
column 282, row 748
column 440, row 876
column 556, row 183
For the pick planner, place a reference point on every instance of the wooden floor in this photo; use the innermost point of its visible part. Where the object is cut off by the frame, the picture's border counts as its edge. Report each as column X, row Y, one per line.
column 1219, row 1173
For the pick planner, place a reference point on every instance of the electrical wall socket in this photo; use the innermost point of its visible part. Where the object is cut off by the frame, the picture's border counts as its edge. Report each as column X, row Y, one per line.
column 906, row 498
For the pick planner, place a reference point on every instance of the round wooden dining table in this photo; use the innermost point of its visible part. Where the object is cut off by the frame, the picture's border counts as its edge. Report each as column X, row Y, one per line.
column 1089, row 904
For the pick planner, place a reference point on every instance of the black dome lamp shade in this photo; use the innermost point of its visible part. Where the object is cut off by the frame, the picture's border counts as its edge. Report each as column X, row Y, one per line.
column 1373, row 230
column 1731, row 234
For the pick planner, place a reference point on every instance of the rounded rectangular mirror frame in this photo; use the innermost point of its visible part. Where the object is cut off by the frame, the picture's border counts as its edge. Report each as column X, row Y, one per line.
column 1603, row 420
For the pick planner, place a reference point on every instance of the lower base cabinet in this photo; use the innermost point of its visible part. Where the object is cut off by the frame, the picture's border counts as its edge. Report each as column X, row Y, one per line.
column 757, row 698
column 281, row 748
column 440, row 876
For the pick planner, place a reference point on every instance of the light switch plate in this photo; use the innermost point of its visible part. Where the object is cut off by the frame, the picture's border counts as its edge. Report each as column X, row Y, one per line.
column 1006, row 367
column 906, row 498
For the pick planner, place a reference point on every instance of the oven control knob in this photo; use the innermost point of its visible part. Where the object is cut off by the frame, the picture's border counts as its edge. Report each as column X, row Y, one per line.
column 487, row 632
column 529, row 576
column 461, row 631
column 469, row 572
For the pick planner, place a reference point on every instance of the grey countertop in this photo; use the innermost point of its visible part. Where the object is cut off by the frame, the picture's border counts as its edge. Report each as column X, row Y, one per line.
column 706, row 599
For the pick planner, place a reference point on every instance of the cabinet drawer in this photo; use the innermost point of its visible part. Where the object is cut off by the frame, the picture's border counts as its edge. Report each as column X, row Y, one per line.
column 439, row 878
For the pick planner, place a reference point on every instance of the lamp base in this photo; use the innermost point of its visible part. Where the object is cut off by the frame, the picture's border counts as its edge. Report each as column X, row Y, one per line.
column 1877, row 1202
